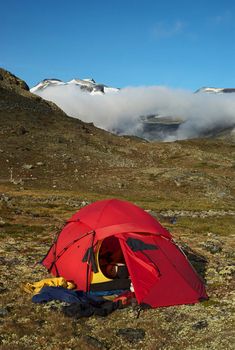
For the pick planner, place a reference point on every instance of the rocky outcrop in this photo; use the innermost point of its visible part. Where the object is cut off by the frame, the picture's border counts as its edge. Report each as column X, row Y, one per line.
column 10, row 80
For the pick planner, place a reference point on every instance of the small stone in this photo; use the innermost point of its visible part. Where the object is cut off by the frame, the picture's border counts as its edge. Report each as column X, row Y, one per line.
column 22, row 131
column 27, row 166
column 2, row 288
column 173, row 220
column 62, row 139
column 40, row 322
column 213, row 246
column 97, row 344
column 13, row 262
column 200, row 325
column 130, row 334
column 4, row 198
column 4, row 311
column 2, row 222
column 2, row 260
column 18, row 211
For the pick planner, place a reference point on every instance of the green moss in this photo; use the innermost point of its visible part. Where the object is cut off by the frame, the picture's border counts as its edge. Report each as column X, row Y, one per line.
column 223, row 225
column 11, row 230
column 210, row 302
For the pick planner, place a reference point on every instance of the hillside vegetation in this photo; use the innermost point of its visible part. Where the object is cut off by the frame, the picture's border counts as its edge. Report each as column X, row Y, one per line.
column 51, row 165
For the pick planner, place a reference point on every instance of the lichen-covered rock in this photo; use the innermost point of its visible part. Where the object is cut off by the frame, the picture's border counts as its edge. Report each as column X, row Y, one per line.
column 94, row 342
column 200, row 325
column 133, row 335
column 4, row 311
column 213, row 246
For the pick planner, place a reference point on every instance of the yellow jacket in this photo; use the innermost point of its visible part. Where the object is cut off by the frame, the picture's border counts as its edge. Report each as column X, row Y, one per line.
column 35, row 288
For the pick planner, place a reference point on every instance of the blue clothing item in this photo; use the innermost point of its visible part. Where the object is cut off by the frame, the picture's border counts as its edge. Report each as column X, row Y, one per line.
column 106, row 292
column 69, row 296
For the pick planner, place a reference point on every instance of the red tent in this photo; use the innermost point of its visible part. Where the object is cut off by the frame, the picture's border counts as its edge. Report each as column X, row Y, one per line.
column 124, row 235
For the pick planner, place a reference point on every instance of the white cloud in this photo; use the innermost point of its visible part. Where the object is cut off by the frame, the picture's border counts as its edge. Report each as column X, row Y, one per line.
column 163, row 29
column 222, row 18
column 121, row 111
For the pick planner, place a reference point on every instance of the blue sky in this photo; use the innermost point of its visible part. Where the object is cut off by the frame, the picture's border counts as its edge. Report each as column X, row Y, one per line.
column 180, row 44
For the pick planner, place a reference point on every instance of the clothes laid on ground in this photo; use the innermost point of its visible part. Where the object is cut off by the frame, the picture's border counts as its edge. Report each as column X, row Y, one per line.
column 34, row 288
column 83, row 304
column 78, row 310
column 62, row 294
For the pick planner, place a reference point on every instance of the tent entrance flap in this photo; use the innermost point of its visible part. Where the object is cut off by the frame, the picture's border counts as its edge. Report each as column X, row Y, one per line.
column 144, row 273
column 160, row 274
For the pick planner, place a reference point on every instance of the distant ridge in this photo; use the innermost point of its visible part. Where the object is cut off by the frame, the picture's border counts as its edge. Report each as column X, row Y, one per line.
column 214, row 90
column 87, row 85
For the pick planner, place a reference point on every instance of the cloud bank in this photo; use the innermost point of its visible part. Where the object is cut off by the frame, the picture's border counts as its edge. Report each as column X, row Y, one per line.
column 125, row 112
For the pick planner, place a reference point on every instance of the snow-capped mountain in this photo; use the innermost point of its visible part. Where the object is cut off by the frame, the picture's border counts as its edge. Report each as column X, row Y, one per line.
column 213, row 90
column 87, row 85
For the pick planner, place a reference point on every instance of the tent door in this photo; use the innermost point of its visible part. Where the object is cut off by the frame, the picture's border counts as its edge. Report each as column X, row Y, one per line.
column 111, row 272
column 143, row 270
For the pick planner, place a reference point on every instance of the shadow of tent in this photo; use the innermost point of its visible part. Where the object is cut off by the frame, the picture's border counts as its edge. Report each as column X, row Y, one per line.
column 198, row 261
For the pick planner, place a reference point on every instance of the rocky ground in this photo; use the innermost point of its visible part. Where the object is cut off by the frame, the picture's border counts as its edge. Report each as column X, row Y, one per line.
column 52, row 165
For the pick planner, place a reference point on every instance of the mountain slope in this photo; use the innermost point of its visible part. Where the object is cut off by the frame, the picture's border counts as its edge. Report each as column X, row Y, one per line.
column 41, row 147
column 37, row 131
